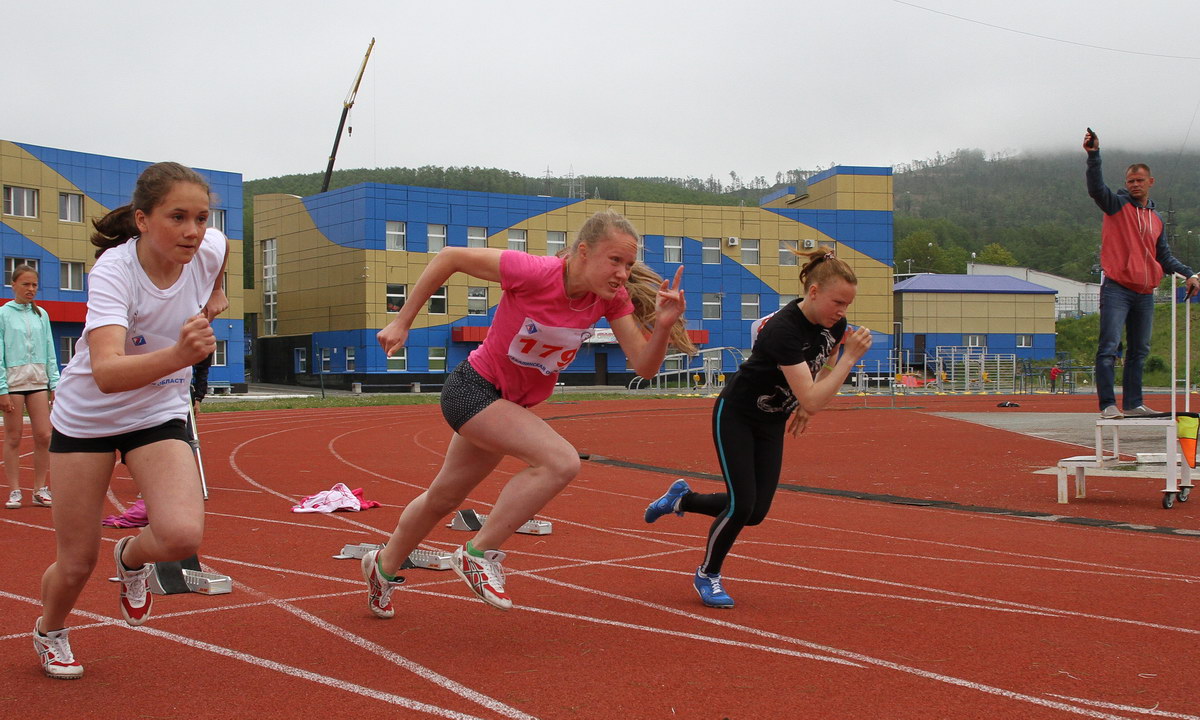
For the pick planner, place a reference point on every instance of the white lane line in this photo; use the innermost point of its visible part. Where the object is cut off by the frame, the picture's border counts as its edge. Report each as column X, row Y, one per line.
column 932, row 558
column 1069, row 708
column 343, row 634
column 1128, row 708
column 848, row 654
column 656, row 630
column 1013, row 553
column 278, row 667
column 309, row 526
column 395, row 658
column 1039, row 610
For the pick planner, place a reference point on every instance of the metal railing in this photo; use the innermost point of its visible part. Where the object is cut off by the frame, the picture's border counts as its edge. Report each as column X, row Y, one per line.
column 703, row 371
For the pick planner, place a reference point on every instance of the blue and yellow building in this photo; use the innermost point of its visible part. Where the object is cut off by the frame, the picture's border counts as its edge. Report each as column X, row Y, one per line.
column 998, row 313
column 50, row 199
column 332, row 269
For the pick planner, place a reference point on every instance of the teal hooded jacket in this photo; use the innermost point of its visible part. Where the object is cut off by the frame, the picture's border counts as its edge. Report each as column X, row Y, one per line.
column 25, row 339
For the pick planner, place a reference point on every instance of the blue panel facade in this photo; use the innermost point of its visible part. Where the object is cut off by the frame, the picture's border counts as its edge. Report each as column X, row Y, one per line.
column 109, row 181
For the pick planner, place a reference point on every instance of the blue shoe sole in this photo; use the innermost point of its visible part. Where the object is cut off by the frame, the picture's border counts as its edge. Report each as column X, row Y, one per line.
column 678, row 489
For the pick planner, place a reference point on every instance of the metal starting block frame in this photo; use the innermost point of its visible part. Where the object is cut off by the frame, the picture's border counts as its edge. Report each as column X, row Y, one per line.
column 428, row 559
column 172, row 578
column 471, row 520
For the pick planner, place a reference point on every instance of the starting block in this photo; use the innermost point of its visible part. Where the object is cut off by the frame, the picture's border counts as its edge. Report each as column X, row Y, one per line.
column 471, row 520
column 419, row 558
column 171, row 578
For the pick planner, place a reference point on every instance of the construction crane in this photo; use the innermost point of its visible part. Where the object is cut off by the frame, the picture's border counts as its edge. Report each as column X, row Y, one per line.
column 349, row 103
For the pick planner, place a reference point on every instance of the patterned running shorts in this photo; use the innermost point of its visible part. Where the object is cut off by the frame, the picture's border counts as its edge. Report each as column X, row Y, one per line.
column 465, row 394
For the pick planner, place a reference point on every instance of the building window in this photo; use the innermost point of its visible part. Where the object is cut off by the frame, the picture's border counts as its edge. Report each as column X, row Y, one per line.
column 437, row 359
column 672, row 249
column 516, row 240
column 326, row 359
column 220, row 354
column 477, row 301
column 395, row 235
column 216, row 219
column 750, row 306
column 787, row 253
column 476, row 236
column 301, row 360
column 711, row 253
column 269, row 293
column 785, row 299
column 70, row 207
column 396, row 294
column 673, row 363
column 712, row 306
column 749, row 252
column 350, row 358
column 19, row 201
column 437, row 301
column 1024, row 341
column 437, row 237
column 556, row 242
column 66, row 349
column 975, row 340
column 12, row 263
column 398, row 361
column 70, row 275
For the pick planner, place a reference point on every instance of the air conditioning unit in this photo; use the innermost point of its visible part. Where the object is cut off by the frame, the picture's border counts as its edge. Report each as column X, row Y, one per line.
column 809, row 243
column 732, row 242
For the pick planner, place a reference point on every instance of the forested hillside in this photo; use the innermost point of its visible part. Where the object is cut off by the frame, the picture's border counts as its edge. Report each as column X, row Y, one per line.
column 1030, row 210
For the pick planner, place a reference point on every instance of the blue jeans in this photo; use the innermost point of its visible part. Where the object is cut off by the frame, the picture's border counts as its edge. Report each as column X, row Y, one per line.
column 1122, row 309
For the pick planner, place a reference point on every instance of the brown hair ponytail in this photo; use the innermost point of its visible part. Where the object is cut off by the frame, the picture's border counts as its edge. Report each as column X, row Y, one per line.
column 153, row 185
column 822, row 266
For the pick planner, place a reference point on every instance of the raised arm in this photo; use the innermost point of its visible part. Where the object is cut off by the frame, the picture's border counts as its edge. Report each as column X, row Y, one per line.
column 814, row 394
column 646, row 354
column 1104, row 198
column 482, row 263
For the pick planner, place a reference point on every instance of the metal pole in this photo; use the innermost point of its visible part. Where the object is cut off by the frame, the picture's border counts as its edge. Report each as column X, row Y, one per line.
column 321, row 370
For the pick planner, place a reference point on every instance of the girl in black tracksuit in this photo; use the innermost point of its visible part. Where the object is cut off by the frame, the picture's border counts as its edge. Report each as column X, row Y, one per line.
column 793, row 371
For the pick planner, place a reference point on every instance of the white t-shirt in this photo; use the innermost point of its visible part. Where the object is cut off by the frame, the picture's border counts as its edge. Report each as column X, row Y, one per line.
column 120, row 293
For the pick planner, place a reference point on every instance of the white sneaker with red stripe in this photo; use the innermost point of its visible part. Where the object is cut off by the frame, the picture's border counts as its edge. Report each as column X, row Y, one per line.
column 483, row 575
column 135, row 597
column 379, row 593
column 54, row 652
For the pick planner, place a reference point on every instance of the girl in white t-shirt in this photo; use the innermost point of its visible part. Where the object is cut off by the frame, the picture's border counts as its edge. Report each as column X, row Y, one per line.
column 548, row 309
column 151, row 295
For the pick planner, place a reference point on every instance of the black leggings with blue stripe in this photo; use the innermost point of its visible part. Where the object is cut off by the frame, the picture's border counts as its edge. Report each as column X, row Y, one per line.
column 750, row 452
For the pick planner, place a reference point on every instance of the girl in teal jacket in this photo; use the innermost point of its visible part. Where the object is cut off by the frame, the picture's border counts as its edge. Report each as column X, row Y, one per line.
column 27, row 384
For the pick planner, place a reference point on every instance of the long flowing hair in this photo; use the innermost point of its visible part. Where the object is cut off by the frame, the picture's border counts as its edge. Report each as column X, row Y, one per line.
column 643, row 283
column 153, row 186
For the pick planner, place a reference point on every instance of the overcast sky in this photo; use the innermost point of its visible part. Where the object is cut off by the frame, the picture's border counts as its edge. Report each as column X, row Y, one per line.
column 631, row 87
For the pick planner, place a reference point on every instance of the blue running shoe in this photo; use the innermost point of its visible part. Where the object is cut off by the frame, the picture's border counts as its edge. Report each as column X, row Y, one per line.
column 708, row 587
column 666, row 503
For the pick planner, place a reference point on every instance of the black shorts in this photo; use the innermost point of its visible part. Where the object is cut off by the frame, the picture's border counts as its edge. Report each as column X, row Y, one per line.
column 465, row 394
column 122, row 443
column 26, row 392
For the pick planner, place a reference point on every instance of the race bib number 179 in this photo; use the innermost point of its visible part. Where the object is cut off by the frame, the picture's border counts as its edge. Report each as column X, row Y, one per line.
column 546, row 348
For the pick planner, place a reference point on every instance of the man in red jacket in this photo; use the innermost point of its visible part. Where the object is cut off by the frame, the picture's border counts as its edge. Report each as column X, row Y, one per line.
column 1134, row 255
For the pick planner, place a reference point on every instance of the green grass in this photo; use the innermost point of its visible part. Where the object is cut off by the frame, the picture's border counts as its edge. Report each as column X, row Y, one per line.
column 1079, row 337
column 374, row 400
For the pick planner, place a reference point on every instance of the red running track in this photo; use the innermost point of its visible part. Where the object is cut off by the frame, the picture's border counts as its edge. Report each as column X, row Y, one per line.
column 846, row 608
